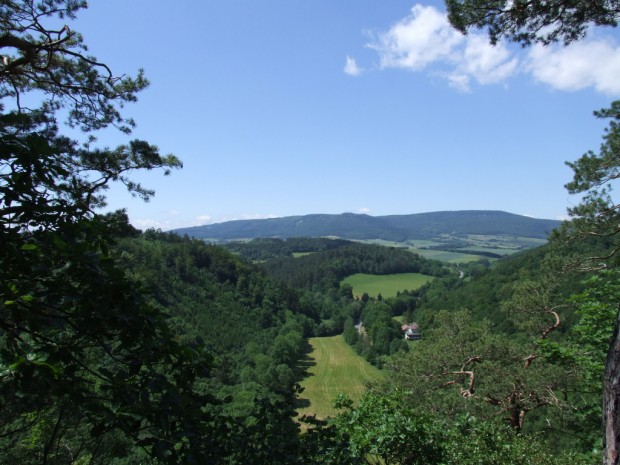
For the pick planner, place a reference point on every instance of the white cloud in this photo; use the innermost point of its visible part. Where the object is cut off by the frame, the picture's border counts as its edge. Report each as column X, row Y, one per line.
column 591, row 63
column 364, row 210
column 256, row 216
column 200, row 220
column 351, row 68
column 154, row 224
column 203, row 219
column 206, row 219
column 483, row 62
column 459, row 81
column 420, row 39
column 425, row 41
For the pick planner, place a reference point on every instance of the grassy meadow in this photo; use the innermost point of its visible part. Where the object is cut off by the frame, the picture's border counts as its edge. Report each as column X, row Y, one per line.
column 386, row 285
column 332, row 368
column 472, row 245
column 447, row 257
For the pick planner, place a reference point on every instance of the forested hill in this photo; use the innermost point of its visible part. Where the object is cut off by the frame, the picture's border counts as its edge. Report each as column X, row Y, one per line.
column 398, row 228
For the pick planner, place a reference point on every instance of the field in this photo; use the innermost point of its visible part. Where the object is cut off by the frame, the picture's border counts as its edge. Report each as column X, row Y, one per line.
column 386, row 285
column 333, row 367
column 442, row 247
column 447, row 257
column 301, row 254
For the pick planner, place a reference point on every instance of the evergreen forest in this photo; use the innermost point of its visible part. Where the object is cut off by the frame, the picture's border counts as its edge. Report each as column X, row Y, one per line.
column 120, row 346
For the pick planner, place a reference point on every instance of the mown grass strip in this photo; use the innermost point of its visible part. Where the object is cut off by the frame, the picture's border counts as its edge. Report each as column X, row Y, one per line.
column 333, row 368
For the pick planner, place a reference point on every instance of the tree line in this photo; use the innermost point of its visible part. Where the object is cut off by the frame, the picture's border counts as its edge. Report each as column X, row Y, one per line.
column 325, row 269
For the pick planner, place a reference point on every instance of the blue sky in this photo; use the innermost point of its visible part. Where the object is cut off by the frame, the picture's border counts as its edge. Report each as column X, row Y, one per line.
column 283, row 107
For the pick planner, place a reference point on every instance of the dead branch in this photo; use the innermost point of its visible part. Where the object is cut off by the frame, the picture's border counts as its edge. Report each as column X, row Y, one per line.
column 547, row 331
column 528, row 360
column 469, row 373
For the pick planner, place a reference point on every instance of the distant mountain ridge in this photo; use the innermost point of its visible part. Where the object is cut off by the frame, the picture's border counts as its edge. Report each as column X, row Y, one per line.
column 397, row 228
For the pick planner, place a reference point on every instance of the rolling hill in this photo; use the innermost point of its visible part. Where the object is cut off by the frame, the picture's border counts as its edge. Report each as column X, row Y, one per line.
column 396, row 228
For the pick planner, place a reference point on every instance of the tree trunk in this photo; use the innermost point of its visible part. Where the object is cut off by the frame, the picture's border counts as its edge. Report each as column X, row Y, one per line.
column 611, row 400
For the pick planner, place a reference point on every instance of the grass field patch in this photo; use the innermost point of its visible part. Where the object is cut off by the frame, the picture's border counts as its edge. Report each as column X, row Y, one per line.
column 332, row 368
column 301, row 254
column 447, row 257
column 387, row 285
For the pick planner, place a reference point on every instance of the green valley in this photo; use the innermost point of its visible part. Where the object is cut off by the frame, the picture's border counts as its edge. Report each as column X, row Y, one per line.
column 473, row 337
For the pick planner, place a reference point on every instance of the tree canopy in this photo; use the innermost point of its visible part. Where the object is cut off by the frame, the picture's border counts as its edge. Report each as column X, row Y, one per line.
column 85, row 359
column 533, row 21
column 41, row 52
column 595, row 218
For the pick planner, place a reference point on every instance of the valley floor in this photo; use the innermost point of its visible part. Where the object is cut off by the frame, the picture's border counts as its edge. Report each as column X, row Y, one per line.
column 332, row 368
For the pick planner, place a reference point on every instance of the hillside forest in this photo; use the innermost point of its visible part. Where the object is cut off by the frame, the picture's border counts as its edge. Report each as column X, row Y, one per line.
column 120, row 346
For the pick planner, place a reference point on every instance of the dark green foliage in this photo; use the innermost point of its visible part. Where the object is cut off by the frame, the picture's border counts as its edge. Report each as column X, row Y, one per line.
column 532, row 370
column 324, row 270
column 331, row 305
column 100, row 347
column 464, row 367
column 84, row 355
column 267, row 248
column 528, row 22
column 380, row 330
column 385, row 430
column 42, row 53
column 474, row 442
column 91, row 367
column 242, row 316
column 585, row 347
column 483, row 290
column 380, row 427
column 597, row 215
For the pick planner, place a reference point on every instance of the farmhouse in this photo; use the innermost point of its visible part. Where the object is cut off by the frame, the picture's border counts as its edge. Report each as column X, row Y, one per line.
column 412, row 332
